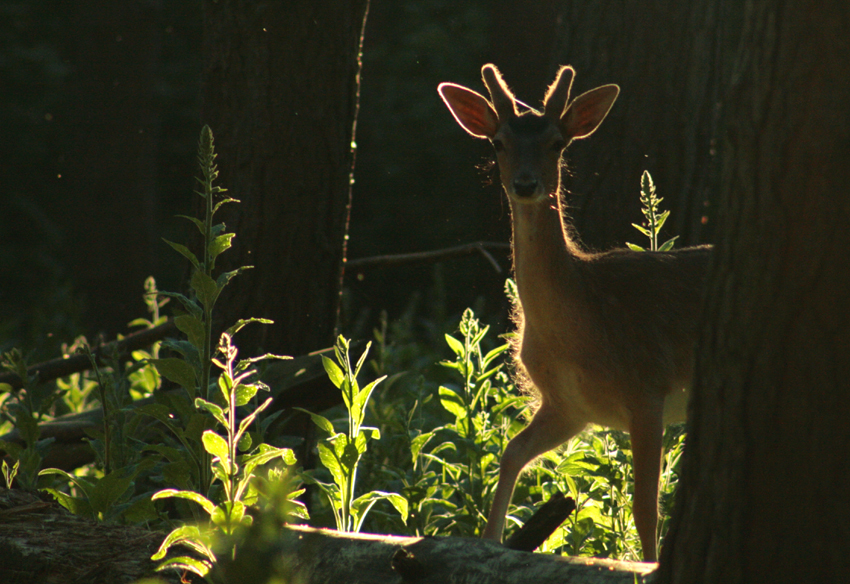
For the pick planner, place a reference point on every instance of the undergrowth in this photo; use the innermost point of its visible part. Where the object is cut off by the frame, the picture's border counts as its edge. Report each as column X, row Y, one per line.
column 184, row 441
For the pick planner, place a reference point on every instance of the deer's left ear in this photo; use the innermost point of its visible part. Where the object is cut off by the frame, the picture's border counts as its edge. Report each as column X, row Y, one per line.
column 587, row 111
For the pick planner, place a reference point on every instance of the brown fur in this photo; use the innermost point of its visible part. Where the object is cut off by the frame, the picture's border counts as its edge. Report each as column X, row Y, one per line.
column 604, row 338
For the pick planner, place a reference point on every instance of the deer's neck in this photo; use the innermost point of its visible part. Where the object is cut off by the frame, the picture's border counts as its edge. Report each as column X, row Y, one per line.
column 547, row 262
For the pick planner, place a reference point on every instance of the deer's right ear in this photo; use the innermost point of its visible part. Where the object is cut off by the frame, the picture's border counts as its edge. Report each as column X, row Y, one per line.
column 471, row 110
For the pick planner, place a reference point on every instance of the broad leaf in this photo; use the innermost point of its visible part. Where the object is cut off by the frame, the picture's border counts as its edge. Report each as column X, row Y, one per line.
column 193, row 327
column 177, row 371
column 206, row 289
column 452, row 402
column 190, row 495
column 334, row 372
column 216, row 411
column 217, row 446
column 185, row 252
column 456, row 346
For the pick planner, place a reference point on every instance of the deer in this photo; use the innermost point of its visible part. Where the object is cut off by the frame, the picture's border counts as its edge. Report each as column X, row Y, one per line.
column 604, row 338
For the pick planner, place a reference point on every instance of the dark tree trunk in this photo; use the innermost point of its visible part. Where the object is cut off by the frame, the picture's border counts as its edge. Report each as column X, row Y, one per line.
column 108, row 207
column 765, row 494
column 280, row 92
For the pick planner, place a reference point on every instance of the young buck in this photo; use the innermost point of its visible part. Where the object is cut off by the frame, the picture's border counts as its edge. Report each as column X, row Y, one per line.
column 605, row 338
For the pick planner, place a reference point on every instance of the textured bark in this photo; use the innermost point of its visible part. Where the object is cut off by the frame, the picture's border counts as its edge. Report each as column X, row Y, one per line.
column 279, row 91
column 765, row 495
column 41, row 542
column 317, row 556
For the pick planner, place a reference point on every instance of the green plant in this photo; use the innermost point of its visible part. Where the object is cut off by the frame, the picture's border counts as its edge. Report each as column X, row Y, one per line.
column 25, row 407
column 340, row 452
column 235, row 472
column 654, row 219
column 190, row 466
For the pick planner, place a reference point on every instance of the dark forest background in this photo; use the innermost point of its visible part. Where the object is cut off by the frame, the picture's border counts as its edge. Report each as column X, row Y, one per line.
column 99, row 118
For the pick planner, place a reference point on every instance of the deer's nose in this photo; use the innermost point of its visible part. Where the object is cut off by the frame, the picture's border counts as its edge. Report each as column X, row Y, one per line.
column 525, row 186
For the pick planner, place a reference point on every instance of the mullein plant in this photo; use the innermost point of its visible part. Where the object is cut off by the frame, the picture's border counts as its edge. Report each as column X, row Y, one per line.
column 216, row 456
column 654, row 218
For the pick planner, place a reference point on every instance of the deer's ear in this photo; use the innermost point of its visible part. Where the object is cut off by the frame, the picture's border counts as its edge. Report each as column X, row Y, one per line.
column 471, row 110
column 587, row 111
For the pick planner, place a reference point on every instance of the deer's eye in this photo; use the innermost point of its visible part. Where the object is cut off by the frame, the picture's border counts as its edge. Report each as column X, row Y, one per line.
column 558, row 145
column 498, row 145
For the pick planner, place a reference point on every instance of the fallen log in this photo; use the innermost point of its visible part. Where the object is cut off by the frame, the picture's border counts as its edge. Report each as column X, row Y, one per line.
column 42, row 542
column 314, row 556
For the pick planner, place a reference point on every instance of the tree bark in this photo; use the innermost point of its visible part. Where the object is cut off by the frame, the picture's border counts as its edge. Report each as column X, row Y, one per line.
column 765, row 491
column 280, row 92
column 314, row 556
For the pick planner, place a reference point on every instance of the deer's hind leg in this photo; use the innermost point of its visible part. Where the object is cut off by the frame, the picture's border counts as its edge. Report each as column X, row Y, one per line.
column 647, row 429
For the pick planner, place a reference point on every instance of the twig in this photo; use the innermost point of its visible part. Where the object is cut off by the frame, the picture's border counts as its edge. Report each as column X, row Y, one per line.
column 542, row 524
column 61, row 367
column 432, row 256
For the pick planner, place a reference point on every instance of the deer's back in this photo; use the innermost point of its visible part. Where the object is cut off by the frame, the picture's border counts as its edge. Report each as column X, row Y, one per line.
column 627, row 334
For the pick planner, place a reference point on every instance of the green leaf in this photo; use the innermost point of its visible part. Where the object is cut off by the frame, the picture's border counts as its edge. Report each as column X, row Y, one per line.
column 418, row 443
column 229, row 514
column 244, row 393
column 321, row 421
column 249, row 419
column 177, row 371
column 75, row 505
column 187, row 564
column 83, row 484
column 109, row 489
column 362, row 504
column 362, row 359
column 668, row 245
column 634, row 247
column 216, row 411
column 331, row 462
column 206, row 289
column 188, row 534
column 266, row 453
column 334, row 372
column 660, row 219
column 363, row 397
column 352, row 451
column 456, row 346
column 452, row 402
column 220, row 244
column 217, row 446
column 245, row 321
column 200, row 224
column 190, row 495
column 190, row 305
column 643, row 230
column 224, row 278
column 193, row 327
column 185, row 252
column 245, row 442
column 488, row 358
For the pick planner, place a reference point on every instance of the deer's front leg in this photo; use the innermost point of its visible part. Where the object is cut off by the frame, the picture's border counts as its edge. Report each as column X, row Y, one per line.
column 546, row 431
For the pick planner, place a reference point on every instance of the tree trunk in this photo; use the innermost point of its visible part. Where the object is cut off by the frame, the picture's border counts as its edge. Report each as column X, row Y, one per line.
column 765, row 494
column 109, row 204
column 280, row 92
